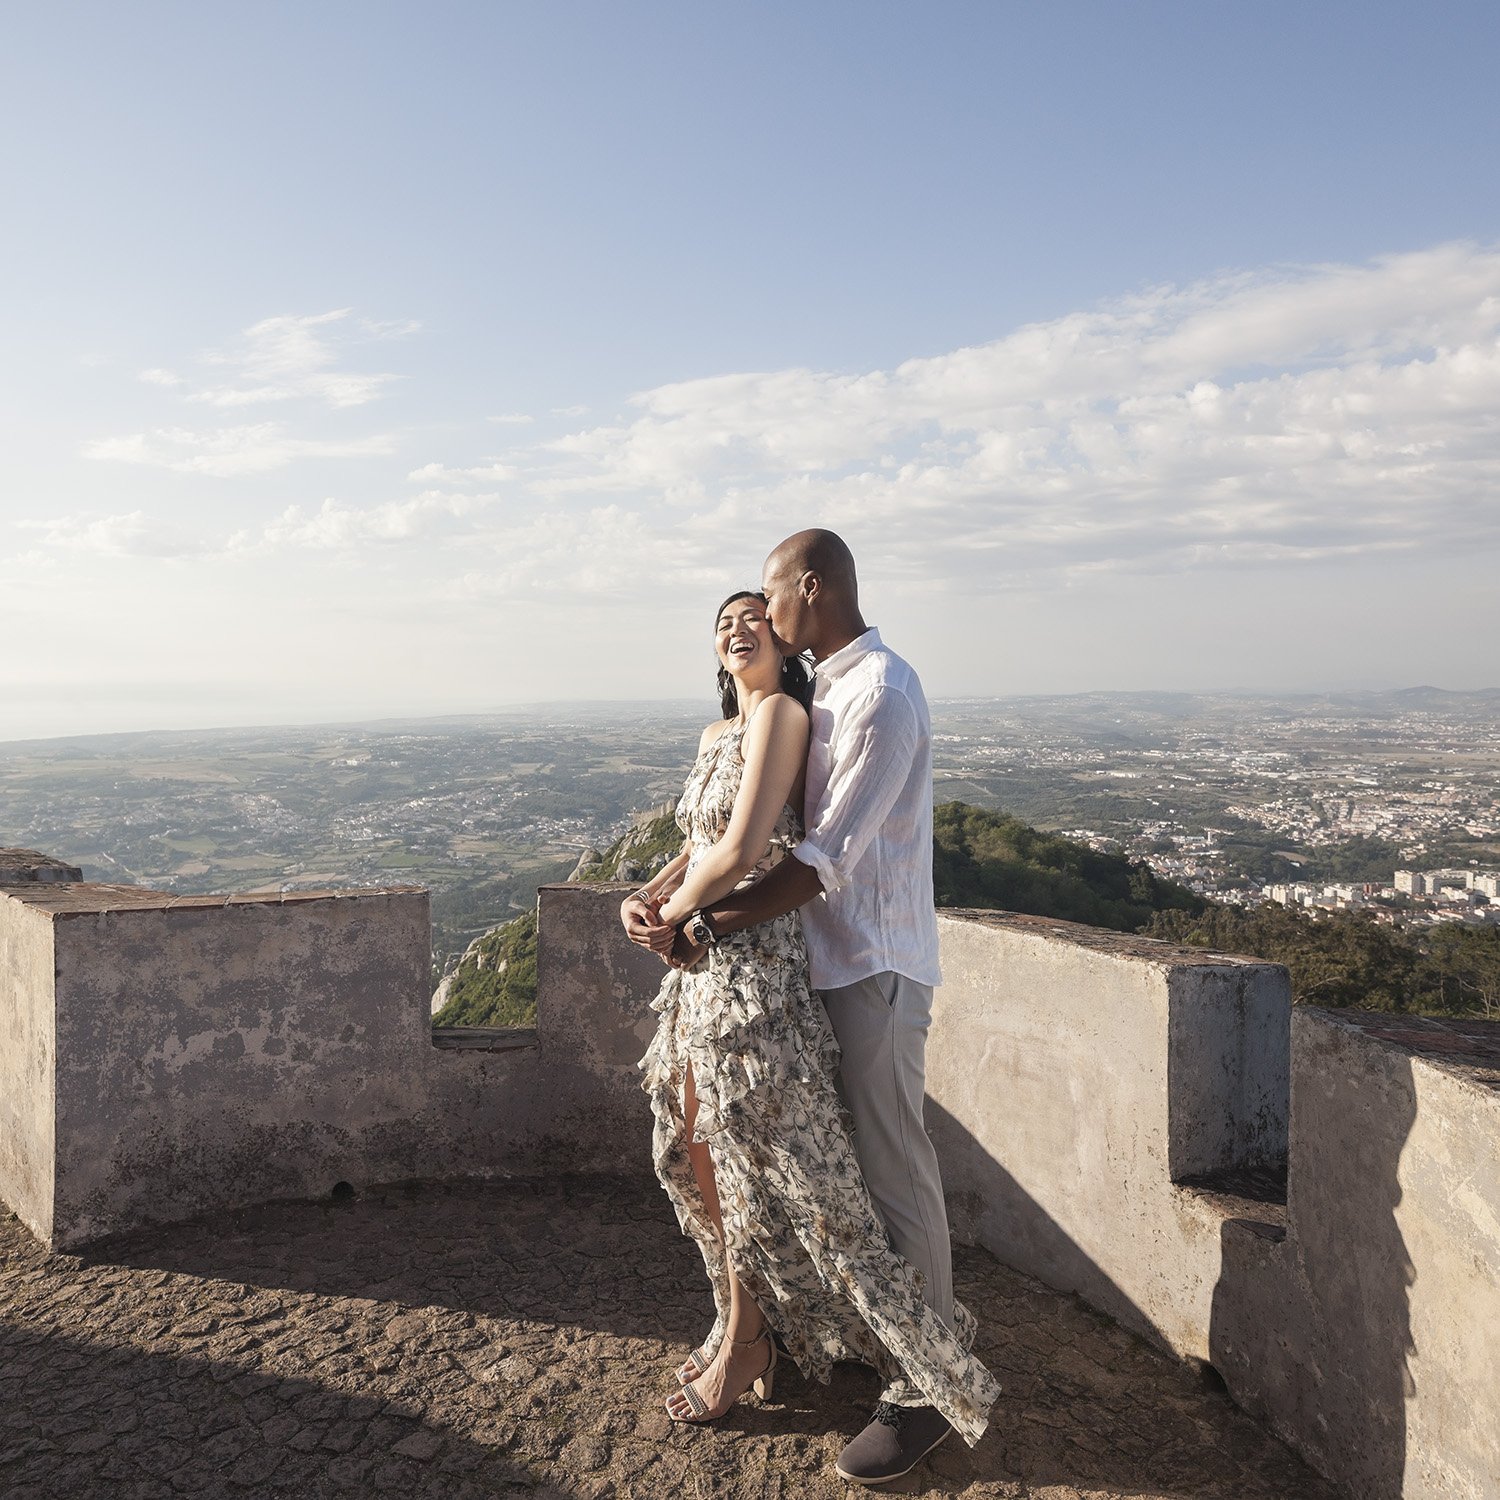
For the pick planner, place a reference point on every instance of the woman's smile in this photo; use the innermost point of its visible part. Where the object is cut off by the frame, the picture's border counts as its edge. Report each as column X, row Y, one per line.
column 741, row 635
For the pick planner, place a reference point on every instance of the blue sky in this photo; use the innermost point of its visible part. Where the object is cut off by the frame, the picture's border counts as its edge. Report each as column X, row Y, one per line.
column 383, row 358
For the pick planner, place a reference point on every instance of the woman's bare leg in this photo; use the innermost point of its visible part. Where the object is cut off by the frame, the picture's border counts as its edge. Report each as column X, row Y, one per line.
column 701, row 1157
column 703, row 1172
column 733, row 1369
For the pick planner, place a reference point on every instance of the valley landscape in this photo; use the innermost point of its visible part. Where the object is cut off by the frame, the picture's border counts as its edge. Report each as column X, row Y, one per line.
column 1228, row 796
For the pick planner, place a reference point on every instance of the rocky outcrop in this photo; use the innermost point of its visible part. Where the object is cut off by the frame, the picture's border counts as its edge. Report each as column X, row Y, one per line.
column 494, row 983
column 21, row 866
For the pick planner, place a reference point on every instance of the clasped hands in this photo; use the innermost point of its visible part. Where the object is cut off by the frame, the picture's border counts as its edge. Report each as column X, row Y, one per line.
column 642, row 920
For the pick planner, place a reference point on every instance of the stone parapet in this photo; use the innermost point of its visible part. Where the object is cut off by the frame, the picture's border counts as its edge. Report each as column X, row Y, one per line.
column 1075, row 1078
column 165, row 1055
column 1118, row 1117
column 1307, row 1201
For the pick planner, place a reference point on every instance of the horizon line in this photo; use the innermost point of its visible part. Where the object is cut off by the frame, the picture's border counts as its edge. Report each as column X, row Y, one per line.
column 531, row 706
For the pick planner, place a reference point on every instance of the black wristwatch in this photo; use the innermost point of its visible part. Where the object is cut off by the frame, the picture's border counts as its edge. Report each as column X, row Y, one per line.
column 699, row 931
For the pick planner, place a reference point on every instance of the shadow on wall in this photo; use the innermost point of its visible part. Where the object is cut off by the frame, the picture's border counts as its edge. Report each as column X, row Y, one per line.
column 1320, row 1326
column 992, row 1197
column 1311, row 1332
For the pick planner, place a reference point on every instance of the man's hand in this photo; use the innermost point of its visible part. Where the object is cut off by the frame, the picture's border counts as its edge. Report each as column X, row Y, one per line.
column 685, row 952
column 644, row 927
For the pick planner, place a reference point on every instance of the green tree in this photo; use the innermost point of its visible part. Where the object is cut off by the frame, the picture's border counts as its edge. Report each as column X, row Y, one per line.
column 988, row 859
column 495, row 984
column 1468, row 958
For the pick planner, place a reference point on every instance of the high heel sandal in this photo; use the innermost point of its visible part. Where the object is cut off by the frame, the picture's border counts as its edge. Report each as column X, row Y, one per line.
column 761, row 1385
column 696, row 1363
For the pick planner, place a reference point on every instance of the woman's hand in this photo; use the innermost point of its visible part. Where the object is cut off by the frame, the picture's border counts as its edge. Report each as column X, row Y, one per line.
column 640, row 915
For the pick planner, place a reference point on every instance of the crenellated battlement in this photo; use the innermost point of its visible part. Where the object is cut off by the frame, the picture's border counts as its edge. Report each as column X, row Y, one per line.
column 1114, row 1117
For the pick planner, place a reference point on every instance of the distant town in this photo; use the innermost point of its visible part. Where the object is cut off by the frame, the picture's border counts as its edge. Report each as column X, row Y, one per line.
column 1385, row 803
column 1388, row 804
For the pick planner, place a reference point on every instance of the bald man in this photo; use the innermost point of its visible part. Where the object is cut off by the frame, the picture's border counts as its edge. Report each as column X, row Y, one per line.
column 863, row 879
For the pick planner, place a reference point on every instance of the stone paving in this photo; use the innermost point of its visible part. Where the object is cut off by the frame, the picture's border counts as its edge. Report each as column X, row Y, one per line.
column 453, row 1342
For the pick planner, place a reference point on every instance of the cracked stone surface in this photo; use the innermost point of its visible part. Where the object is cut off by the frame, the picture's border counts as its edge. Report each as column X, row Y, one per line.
column 443, row 1342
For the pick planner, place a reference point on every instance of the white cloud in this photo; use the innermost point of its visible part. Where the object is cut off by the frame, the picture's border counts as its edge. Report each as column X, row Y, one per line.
column 603, row 556
column 389, row 328
column 129, row 534
column 569, row 411
column 291, row 357
column 494, row 473
column 512, row 418
column 1298, row 414
column 159, row 377
column 335, row 525
column 227, row 452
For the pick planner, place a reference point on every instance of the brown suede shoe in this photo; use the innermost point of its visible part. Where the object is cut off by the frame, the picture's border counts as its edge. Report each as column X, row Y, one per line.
column 897, row 1439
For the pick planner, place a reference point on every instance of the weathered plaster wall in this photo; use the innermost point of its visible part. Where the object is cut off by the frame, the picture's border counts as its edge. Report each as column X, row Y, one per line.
column 573, row 1101
column 27, row 1137
column 1369, row 1338
column 215, row 1052
column 211, row 1055
column 1072, row 1075
column 1075, row 1078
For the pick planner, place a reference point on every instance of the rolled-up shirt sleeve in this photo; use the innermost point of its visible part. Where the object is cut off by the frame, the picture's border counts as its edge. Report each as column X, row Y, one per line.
column 874, row 745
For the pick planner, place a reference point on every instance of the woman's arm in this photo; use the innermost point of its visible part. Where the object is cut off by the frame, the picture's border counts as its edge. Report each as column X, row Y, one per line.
column 668, row 878
column 639, row 917
column 775, row 751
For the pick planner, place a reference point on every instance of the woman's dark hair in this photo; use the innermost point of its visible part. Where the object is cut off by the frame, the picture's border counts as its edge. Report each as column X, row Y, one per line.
column 795, row 677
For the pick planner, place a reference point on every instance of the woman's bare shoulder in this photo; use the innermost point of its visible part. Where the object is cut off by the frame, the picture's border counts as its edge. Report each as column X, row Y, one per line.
column 782, row 715
column 712, row 733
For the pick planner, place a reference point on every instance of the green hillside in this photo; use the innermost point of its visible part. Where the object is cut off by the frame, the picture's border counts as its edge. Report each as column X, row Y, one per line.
column 1342, row 958
column 996, row 862
column 495, row 982
column 980, row 858
column 992, row 861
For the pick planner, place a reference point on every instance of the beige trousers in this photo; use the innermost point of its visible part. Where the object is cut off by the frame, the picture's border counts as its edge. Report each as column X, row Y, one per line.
column 881, row 1024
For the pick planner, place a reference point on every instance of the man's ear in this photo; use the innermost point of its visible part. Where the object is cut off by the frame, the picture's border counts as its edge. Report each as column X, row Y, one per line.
column 811, row 585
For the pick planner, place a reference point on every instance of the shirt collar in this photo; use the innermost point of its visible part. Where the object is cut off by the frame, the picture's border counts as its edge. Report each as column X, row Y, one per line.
column 845, row 657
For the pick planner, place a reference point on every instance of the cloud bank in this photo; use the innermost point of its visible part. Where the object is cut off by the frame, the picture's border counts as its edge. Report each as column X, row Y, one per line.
column 1291, row 415
column 1299, row 414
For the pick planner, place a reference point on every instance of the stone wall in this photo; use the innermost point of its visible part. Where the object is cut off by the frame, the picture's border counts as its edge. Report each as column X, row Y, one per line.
column 1074, row 1076
column 163, row 1056
column 27, row 1055
column 1368, row 1337
column 1111, row 1113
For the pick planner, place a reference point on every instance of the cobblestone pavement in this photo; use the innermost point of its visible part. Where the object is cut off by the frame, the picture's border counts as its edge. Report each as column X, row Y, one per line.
column 516, row 1339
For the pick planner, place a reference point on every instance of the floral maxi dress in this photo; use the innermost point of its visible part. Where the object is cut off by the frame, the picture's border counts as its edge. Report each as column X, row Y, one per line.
column 801, row 1230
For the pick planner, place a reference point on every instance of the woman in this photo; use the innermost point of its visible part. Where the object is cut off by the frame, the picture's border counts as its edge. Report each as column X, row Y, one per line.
column 750, row 1142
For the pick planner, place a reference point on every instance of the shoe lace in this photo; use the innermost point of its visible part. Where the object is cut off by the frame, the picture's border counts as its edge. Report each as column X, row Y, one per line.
column 889, row 1413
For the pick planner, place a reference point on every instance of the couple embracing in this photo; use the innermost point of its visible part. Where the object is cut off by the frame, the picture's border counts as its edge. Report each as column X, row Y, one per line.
column 802, row 953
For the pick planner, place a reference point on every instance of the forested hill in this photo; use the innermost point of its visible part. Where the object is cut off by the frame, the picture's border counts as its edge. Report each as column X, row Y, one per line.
column 980, row 859
column 990, row 860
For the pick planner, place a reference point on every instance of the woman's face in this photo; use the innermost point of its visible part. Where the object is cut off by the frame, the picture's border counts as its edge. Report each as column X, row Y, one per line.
column 743, row 640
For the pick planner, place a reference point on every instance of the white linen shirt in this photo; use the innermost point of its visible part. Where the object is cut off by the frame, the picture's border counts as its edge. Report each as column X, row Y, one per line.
column 868, row 815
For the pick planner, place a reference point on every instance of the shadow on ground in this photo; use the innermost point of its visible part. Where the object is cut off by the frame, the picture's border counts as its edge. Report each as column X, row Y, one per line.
column 515, row 1338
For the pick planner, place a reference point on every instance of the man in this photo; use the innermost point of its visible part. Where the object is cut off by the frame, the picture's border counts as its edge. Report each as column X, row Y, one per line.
column 863, row 878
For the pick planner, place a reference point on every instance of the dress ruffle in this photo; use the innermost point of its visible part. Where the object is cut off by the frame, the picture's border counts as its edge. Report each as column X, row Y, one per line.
column 730, row 1017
